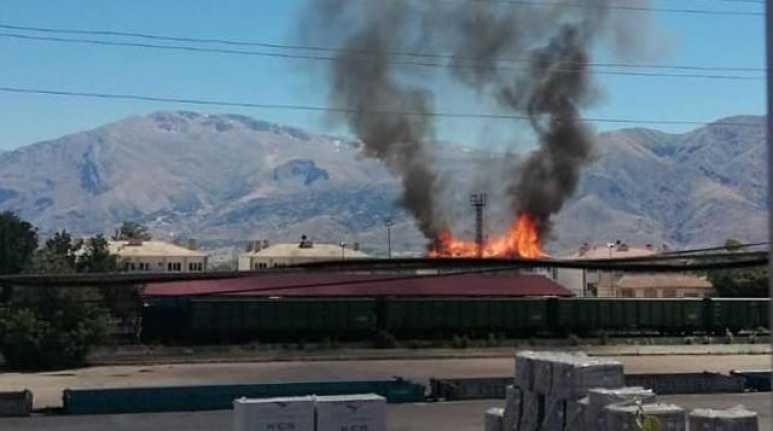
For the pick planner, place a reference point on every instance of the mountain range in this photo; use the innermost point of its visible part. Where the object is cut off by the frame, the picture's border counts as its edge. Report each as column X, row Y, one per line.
column 226, row 179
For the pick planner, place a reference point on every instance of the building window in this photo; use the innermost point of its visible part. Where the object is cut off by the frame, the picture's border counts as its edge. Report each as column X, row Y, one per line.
column 669, row 293
column 627, row 293
column 690, row 294
column 650, row 293
column 195, row 266
column 174, row 266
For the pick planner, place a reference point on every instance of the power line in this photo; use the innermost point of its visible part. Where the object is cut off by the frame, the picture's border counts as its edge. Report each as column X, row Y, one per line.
column 345, row 110
column 480, row 266
column 617, row 7
column 229, row 42
column 364, row 58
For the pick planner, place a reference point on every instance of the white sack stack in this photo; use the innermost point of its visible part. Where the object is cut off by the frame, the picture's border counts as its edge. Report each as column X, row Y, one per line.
column 494, row 419
column 624, row 417
column 271, row 414
column 734, row 419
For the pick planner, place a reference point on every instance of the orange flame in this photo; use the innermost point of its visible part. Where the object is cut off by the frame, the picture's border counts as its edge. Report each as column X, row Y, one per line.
column 520, row 240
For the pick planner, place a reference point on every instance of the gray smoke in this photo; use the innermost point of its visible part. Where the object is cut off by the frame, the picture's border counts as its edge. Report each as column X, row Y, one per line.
column 531, row 60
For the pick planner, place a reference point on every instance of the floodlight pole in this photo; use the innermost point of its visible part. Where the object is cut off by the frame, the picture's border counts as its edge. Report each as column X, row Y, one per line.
column 478, row 201
column 388, row 224
column 769, row 119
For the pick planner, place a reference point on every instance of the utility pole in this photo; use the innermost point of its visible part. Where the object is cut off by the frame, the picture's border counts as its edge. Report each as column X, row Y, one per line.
column 388, row 224
column 478, row 201
column 343, row 250
column 769, row 55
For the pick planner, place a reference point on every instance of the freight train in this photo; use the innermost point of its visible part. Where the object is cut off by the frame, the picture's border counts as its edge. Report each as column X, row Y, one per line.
column 240, row 319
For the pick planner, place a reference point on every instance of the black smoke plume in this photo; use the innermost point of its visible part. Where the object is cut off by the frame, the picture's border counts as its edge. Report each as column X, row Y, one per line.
column 364, row 80
column 532, row 61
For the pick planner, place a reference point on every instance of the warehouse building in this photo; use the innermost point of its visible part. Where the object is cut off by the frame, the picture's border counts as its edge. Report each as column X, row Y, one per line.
column 335, row 284
column 158, row 256
column 262, row 255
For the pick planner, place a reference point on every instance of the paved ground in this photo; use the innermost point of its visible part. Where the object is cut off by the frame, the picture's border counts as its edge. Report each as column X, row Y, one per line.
column 47, row 387
column 151, row 355
column 456, row 416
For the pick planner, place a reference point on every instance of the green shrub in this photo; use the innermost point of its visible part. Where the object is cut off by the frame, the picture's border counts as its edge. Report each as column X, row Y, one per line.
column 385, row 340
column 574, row 340
column 31, row 340
column 462, row 342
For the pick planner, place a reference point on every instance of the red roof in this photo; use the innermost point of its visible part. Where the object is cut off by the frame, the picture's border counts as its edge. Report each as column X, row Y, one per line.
column 343, row 284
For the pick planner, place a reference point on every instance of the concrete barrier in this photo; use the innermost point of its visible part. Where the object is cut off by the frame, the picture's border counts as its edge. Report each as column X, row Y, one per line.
column 687, row 383
column 17, row 403
column 221, row 397
column 756, row 380
column 469, row 389
column 665, row 384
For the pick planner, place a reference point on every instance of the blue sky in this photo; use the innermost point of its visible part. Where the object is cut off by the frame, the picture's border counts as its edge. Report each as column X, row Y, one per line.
column 729, row 41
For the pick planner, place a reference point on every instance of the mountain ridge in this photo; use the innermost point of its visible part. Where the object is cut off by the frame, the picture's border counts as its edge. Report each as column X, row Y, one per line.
column 229, row 178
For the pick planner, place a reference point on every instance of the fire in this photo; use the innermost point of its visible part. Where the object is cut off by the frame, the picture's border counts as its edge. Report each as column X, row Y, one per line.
column 520, row 240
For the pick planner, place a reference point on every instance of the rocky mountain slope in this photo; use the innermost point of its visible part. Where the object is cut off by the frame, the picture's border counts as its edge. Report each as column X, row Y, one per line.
column 227, row 178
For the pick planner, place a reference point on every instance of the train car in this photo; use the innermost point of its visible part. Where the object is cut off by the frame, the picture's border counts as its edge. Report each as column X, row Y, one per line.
column 626, row 315
column 736, row 314
column 165, row 319
column 239, row 319
column 244, row 319
column 473, row 316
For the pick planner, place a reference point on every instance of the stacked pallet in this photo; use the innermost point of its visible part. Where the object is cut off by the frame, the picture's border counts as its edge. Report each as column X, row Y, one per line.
column 556, row 391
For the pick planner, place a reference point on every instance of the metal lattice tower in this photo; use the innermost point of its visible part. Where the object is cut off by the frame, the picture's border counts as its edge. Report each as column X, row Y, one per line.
column 478, row 201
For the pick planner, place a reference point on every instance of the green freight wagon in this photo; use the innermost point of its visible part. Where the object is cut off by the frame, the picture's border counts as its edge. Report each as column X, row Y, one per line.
column 736, row 314
column 242, row 319
column 427, row 317
column 626, row 315
column 164, row 319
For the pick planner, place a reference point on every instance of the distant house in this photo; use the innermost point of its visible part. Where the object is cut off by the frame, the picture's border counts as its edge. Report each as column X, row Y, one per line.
column 158, row 256
column 598, row 283
column 662, row 286
column 262, row 255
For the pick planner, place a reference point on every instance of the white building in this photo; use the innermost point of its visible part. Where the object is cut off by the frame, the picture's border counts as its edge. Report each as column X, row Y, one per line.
column 262, row 255
column 663, row 286
column 158, row 256
column 598, row 283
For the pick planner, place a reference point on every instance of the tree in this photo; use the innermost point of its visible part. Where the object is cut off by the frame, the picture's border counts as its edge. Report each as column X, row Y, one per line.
column 131, row 230
column 62, row 246
column 55, row 333
column 741, row 283
column 96, row 256
column 733, row 244
column 47, row 327
column 57, row 256
column 18, row 241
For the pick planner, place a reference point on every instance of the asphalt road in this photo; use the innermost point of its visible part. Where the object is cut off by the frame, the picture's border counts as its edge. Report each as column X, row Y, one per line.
column 452, row 416
column 47, row 387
